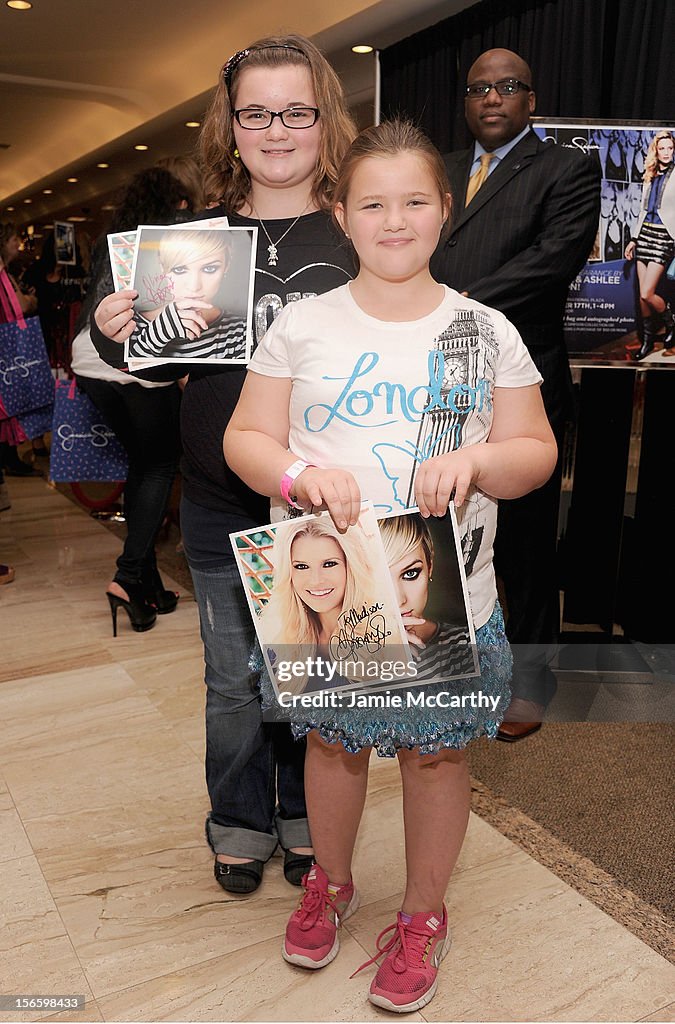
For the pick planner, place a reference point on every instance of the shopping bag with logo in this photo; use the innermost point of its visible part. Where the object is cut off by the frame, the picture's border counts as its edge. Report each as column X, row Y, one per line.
column 26, row 380
column 37, row 422
column 83, row 446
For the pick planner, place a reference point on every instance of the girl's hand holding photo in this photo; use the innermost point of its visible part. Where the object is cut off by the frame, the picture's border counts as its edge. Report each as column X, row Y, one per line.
column 114, row 315
column 445, row 477
column 332, row 490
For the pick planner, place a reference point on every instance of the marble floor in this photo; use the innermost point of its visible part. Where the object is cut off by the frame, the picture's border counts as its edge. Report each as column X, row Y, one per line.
column 106, row 886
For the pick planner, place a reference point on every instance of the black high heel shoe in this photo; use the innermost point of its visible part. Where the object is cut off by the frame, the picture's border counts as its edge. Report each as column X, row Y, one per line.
column 155, row 593
column 142, row 615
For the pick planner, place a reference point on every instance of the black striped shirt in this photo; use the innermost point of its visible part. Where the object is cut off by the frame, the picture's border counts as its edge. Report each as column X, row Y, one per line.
column 165, row 337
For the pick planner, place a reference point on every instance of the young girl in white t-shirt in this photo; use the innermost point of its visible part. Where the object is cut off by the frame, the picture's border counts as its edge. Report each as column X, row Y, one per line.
column 397, row 389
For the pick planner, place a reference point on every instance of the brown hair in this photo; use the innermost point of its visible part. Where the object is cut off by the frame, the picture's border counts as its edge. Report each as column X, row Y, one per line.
column 388, row 139
column 185, row 170
column 226, row 179
column 652, row 160
column 7, row 231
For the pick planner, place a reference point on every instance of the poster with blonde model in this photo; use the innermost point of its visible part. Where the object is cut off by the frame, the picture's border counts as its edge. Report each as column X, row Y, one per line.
column 195, row 294
column 425, row 563
column 323, row 605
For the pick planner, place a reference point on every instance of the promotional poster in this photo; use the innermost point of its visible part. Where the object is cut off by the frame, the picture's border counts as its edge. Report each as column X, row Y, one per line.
column 195, row 294
column 427, row 572
column 603, row 315
column 323, row 604
column 382, row 605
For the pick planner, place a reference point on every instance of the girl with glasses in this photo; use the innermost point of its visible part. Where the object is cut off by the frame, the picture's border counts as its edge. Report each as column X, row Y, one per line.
column 279, row 179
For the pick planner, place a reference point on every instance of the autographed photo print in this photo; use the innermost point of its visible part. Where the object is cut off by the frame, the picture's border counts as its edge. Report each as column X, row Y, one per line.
column 188, row 276
column 323, row 605
column 122, row 247
column 424, row 560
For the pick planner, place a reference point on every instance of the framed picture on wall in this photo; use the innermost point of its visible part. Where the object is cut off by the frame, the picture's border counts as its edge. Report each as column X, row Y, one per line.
column 64, row 243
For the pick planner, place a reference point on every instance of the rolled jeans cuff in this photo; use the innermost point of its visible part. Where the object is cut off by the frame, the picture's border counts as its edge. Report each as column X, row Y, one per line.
column 292, row 832
column 240, row 842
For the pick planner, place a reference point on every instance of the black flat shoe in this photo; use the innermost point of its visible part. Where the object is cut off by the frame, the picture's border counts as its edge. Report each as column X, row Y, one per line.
column 296, row 866
column 239, row 878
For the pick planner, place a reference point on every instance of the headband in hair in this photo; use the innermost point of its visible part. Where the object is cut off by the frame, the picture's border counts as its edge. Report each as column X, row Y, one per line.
column 235, row 60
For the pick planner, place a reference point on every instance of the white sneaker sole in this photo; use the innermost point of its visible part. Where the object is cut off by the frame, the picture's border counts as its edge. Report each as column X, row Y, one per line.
column 313, row 965
column 417, row 1004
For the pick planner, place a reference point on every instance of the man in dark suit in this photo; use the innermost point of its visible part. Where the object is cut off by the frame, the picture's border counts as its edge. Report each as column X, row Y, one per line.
column 525, row 215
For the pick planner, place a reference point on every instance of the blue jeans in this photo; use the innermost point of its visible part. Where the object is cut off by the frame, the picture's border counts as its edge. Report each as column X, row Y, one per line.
column 250, row 764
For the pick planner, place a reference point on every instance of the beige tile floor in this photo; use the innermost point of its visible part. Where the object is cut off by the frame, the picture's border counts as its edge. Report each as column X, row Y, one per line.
column 105, row 881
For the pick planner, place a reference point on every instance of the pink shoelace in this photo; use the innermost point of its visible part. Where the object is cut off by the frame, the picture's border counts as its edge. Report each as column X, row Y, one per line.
column 313, row 904
column 413, row 946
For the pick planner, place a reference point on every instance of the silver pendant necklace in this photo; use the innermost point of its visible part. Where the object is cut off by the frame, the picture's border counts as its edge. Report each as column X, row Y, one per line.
column 272, row 248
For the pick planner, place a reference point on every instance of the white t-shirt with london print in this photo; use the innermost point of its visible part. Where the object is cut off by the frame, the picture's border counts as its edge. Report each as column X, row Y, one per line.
column 379, row 398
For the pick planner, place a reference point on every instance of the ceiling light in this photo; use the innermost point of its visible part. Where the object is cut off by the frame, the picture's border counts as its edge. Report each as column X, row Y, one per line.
column 77, row 220
column 10, row 209
column 28, row 200
column 362, row 48
column 72, row 180
column 47, row 191
column 108, row 206
column 103, row 165
column 140, row 147
column 19, row 5
column 193, row 124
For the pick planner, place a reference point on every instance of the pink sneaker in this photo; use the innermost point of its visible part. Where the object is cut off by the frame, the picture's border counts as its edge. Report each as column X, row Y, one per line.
column 406, row 979
column 311, row 933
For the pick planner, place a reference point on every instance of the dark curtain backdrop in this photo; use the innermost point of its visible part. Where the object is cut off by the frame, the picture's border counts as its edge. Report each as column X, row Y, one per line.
column 590, row 58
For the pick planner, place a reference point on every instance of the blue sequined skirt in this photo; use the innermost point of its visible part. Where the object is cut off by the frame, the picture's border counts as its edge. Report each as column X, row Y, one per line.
column 414, row 727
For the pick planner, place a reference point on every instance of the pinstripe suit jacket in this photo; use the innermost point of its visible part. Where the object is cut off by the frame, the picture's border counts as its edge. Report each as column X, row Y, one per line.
column 524, row 236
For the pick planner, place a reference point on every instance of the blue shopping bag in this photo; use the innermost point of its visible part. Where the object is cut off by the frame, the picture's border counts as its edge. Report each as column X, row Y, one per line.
column 83, row 446
column 37, row 422
column 26, row 380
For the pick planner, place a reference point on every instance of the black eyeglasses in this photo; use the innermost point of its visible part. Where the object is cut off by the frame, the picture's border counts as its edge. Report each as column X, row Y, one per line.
column 504, row 87
column 257, row 118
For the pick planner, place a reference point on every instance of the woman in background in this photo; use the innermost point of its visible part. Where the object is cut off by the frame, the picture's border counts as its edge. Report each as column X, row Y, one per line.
column 144, row 416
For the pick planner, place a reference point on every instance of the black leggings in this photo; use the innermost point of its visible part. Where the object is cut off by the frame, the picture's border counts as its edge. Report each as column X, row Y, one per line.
column 146, row 421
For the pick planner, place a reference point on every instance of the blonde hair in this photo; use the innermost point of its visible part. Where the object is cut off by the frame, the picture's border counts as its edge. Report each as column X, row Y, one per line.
column 652, row 160
column 186, row 171
column 402, row 534
column 386, row 140
column 182, row 246
column 226, row 179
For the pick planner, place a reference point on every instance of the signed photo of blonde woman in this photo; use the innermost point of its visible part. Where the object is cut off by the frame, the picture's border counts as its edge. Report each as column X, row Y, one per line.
column 323, row 604
column 195, row 294
column 427, row 572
